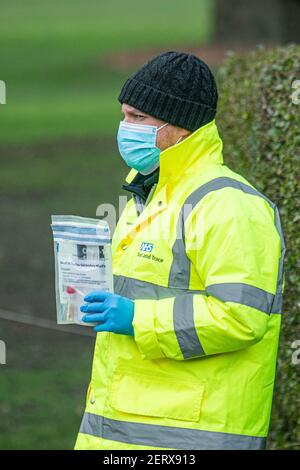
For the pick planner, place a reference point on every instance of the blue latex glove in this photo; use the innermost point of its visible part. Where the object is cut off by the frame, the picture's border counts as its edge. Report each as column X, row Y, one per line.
column 113, row 312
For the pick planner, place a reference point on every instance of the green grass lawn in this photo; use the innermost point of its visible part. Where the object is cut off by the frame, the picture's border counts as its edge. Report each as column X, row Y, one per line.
column 50, row 55
column 58, row 154
column 43, row 388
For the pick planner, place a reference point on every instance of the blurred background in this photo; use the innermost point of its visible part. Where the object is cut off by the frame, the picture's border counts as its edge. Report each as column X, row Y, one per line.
column 64, row 63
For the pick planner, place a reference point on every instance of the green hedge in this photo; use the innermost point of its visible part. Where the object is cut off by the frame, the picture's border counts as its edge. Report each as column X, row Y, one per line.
column 259, row 124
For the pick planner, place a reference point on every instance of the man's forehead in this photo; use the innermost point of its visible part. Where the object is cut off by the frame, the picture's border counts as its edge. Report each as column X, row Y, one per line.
column 131, row 109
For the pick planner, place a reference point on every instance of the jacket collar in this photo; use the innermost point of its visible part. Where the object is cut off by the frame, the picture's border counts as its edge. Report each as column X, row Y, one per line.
column 201, row 148
column 141, row 184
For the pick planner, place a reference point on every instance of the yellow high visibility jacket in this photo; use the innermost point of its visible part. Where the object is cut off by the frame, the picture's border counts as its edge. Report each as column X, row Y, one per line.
column 203, row 261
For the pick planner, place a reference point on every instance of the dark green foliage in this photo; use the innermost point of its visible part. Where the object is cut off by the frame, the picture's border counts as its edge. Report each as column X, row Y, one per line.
column 259, row 123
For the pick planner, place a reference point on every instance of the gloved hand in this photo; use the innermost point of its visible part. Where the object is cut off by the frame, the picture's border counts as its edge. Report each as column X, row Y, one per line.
column 113, row 312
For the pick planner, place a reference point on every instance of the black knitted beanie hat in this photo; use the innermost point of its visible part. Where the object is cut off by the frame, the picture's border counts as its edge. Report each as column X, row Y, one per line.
column 175, row 87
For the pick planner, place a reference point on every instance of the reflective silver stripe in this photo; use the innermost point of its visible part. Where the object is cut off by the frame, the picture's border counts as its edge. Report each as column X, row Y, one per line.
column 137, row 289
column 166, row 436
column 277, row 304
column 92, row 424
column 179, row 275
column 184, row 327
column 243, row 294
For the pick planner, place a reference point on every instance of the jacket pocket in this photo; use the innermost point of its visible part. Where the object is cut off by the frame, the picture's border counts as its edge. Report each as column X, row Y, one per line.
column 164, row 397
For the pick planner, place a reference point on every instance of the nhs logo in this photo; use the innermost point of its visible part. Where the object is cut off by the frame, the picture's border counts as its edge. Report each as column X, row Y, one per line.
column 146, row 247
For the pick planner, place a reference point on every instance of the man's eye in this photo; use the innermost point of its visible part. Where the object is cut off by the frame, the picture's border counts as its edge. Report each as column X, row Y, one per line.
column 140, row 116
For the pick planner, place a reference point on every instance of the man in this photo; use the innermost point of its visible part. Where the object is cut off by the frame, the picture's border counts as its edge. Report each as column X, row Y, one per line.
column 186, row 352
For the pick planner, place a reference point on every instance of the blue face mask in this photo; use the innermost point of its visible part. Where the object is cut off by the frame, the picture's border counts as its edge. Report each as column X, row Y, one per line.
column 137, row 146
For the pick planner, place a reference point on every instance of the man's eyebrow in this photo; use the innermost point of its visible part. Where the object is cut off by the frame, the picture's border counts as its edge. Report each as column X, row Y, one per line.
column 132, row 112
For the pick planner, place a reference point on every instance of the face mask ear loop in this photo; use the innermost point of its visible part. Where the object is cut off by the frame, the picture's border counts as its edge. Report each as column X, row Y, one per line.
column 164, row 125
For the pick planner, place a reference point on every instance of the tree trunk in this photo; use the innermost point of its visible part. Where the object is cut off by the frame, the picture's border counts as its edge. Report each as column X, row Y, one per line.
column 258, row 21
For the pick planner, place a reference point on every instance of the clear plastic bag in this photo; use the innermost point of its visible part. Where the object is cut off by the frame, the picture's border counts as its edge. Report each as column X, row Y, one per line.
column 82, row 253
